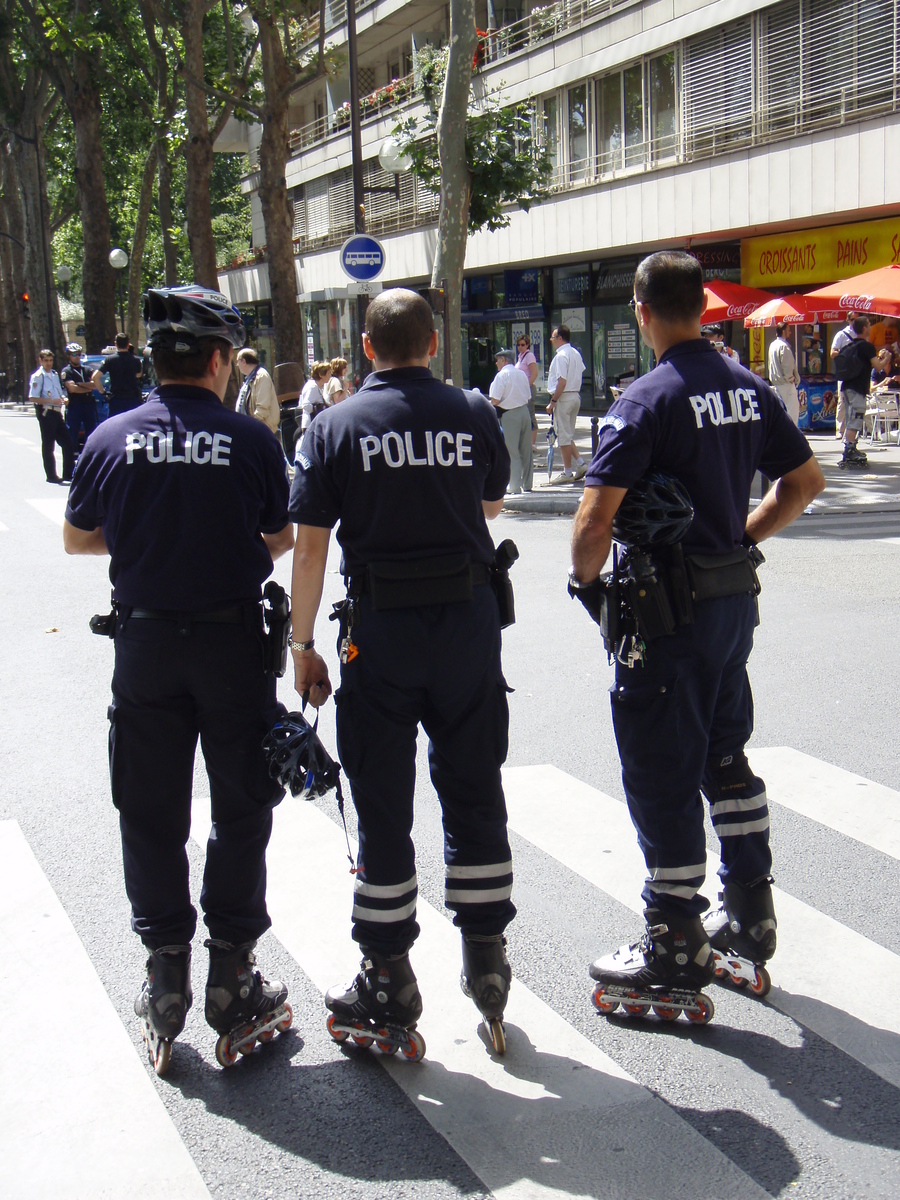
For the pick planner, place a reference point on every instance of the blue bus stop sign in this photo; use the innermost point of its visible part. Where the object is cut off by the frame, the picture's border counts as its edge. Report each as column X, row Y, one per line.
column 362, row 257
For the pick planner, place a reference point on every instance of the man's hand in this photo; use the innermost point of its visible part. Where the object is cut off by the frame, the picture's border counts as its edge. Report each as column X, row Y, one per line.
column 311, row 676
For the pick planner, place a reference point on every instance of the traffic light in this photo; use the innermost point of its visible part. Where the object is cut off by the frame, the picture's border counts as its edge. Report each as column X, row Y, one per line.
column 25, row 313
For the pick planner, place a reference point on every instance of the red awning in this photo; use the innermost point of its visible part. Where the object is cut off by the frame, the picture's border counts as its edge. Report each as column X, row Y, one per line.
column 793, row 310
column 727, row 301
column 872, row 292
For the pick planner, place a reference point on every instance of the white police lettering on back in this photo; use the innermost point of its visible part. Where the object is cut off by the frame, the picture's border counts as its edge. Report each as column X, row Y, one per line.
column 442, row 449
column 200, row 447
column 712, row 405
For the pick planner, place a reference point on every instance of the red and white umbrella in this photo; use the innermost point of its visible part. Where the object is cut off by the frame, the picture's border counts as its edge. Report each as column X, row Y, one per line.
column 792, row 310
column 726, row 301
column 875, row 291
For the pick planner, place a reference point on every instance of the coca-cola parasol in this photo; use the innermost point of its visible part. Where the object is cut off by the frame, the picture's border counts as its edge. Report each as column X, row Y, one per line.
column 792, row 310
column 872, row 292
column 726, row 301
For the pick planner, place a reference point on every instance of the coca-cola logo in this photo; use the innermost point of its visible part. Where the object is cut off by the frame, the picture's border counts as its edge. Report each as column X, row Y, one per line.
column 740, row 310
column 857, row 303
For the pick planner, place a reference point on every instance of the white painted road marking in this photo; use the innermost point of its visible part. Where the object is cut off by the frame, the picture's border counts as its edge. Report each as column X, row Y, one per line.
column 53, row 507
column 592, row 835
column 856, row 807
column 78, row 1114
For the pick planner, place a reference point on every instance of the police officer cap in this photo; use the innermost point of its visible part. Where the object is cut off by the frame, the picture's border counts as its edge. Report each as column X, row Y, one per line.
column 74, row 348
column 656, row 511
column 509, row 355
column 180, row 318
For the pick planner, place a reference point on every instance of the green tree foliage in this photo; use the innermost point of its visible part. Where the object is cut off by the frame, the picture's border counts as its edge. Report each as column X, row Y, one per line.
column 508, row 165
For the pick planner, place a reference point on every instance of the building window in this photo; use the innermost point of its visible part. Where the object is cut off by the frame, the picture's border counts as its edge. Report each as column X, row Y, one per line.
column 717, row 74
column 663, row 96
column 609, row 122
column 550, row 131
column 578, row 133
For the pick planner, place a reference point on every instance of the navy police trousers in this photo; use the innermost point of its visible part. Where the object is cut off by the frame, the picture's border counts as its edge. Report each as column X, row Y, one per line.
column 681, row 722
column 174, row 682
column 438, row 665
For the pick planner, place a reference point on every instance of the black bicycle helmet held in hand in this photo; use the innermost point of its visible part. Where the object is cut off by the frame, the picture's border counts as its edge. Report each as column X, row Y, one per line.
column 179, row 318
column 656, row 511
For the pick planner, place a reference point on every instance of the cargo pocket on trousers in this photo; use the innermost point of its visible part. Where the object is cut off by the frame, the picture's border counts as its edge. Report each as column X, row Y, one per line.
column 645, row 718
column 502, row 727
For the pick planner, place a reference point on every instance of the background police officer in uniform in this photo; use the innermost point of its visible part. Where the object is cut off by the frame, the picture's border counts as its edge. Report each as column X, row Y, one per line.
column 410, row 467
column 681, row 704
column 190, row 502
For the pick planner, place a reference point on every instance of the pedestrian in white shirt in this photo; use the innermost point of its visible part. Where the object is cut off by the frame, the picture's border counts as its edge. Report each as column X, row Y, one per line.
column 46, row 390
column 783, row 374
column 838, row 342
column 564, row 385
column 510, row 392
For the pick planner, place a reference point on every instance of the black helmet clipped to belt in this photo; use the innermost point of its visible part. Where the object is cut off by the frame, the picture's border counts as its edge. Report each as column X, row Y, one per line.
column 656, row 511
column 178, row 318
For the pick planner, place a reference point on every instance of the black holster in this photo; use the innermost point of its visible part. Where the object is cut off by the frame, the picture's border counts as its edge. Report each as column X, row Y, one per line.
column 276, row 609
column 504, row 557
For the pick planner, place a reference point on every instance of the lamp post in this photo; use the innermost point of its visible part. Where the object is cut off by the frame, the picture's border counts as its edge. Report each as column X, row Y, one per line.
column 64, row 275
column 118, row 260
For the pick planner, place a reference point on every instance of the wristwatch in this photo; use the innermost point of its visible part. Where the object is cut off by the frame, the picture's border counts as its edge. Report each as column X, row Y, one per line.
column 302, row 647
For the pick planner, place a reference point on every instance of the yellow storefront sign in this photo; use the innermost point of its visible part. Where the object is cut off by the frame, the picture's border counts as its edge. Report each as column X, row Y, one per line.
column 819, row 255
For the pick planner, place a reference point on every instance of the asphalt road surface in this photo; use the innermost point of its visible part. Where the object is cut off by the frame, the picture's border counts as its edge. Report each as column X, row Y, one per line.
column 795, row 1096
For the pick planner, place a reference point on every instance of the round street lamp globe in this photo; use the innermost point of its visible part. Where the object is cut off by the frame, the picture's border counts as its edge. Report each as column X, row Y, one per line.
column 118, row 259
column 63, row 273
column 392, row 159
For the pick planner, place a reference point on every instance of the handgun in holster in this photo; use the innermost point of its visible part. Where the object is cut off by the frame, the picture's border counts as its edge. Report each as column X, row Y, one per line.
column 277, row 617
column 504, row 557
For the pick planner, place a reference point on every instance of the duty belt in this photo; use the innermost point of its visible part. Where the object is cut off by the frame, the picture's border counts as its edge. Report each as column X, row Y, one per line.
column 220, row 616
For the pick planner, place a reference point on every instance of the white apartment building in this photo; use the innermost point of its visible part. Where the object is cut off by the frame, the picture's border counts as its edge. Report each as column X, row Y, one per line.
column 763, row 137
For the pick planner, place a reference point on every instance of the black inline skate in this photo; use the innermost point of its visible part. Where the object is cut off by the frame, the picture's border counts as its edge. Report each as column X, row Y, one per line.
column 381, row 1005
column 241, row 1005
column 742, row 934
column 665, row 970
column 163, row 1001
column 853, row 457
column 486, row 977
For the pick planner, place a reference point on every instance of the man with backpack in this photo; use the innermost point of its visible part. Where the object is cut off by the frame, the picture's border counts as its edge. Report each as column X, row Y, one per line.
column 853, row 367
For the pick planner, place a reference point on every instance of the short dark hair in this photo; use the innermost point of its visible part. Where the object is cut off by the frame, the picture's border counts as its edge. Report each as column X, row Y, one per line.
column 170, row 365
column 860, row 324
column 562, row 331
column 122, row 342
column 670, row 283
column 399, row 323
column 780, row 327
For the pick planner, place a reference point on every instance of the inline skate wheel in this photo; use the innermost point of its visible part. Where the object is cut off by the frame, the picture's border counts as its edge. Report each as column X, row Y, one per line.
column 362, row 1039
column 415, row 1051
column 285, row 1023
column 602, row 1005
column 339, row 1035
column 248, row 1047
column 385, row 1043
column 163, row 1057
column 497, row 1035
column 225, row 1056
column 266, row 1035
column 762, row 983
column 634, row 1006
column 665, row 1010
column 704, row 1013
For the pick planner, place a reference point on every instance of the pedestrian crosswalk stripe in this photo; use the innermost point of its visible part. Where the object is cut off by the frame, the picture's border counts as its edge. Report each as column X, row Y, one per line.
column 592, row 835
column 4, row 528
column 53, row 507
column 94, row 1124
column 856, row 807
column 534, row 1124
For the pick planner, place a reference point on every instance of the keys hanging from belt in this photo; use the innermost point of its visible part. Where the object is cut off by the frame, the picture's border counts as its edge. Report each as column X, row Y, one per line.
column 345, row 613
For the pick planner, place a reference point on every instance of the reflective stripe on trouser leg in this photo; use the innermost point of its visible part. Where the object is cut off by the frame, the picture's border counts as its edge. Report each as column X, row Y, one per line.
column 384, row 904
column 485, row 883
column 680, row 883
column 740, row 816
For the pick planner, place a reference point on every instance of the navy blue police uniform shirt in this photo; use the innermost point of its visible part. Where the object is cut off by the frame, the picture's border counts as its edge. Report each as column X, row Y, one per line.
column 711, row 423
column 403, row 465
column 123, row 369
column 183, row 488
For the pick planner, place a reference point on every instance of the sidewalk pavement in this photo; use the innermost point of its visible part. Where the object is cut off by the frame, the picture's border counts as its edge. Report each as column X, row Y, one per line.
column 874, row 490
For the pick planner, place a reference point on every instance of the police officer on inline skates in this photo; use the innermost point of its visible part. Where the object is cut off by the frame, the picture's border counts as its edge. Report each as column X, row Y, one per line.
column 671, row 479
column 190, row 502
column 410, row 468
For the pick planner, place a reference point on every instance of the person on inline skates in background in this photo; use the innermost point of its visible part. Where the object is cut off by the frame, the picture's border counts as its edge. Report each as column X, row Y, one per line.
column 857, row 357
column 190, row 502
column 410, row 470
column 681, row 704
